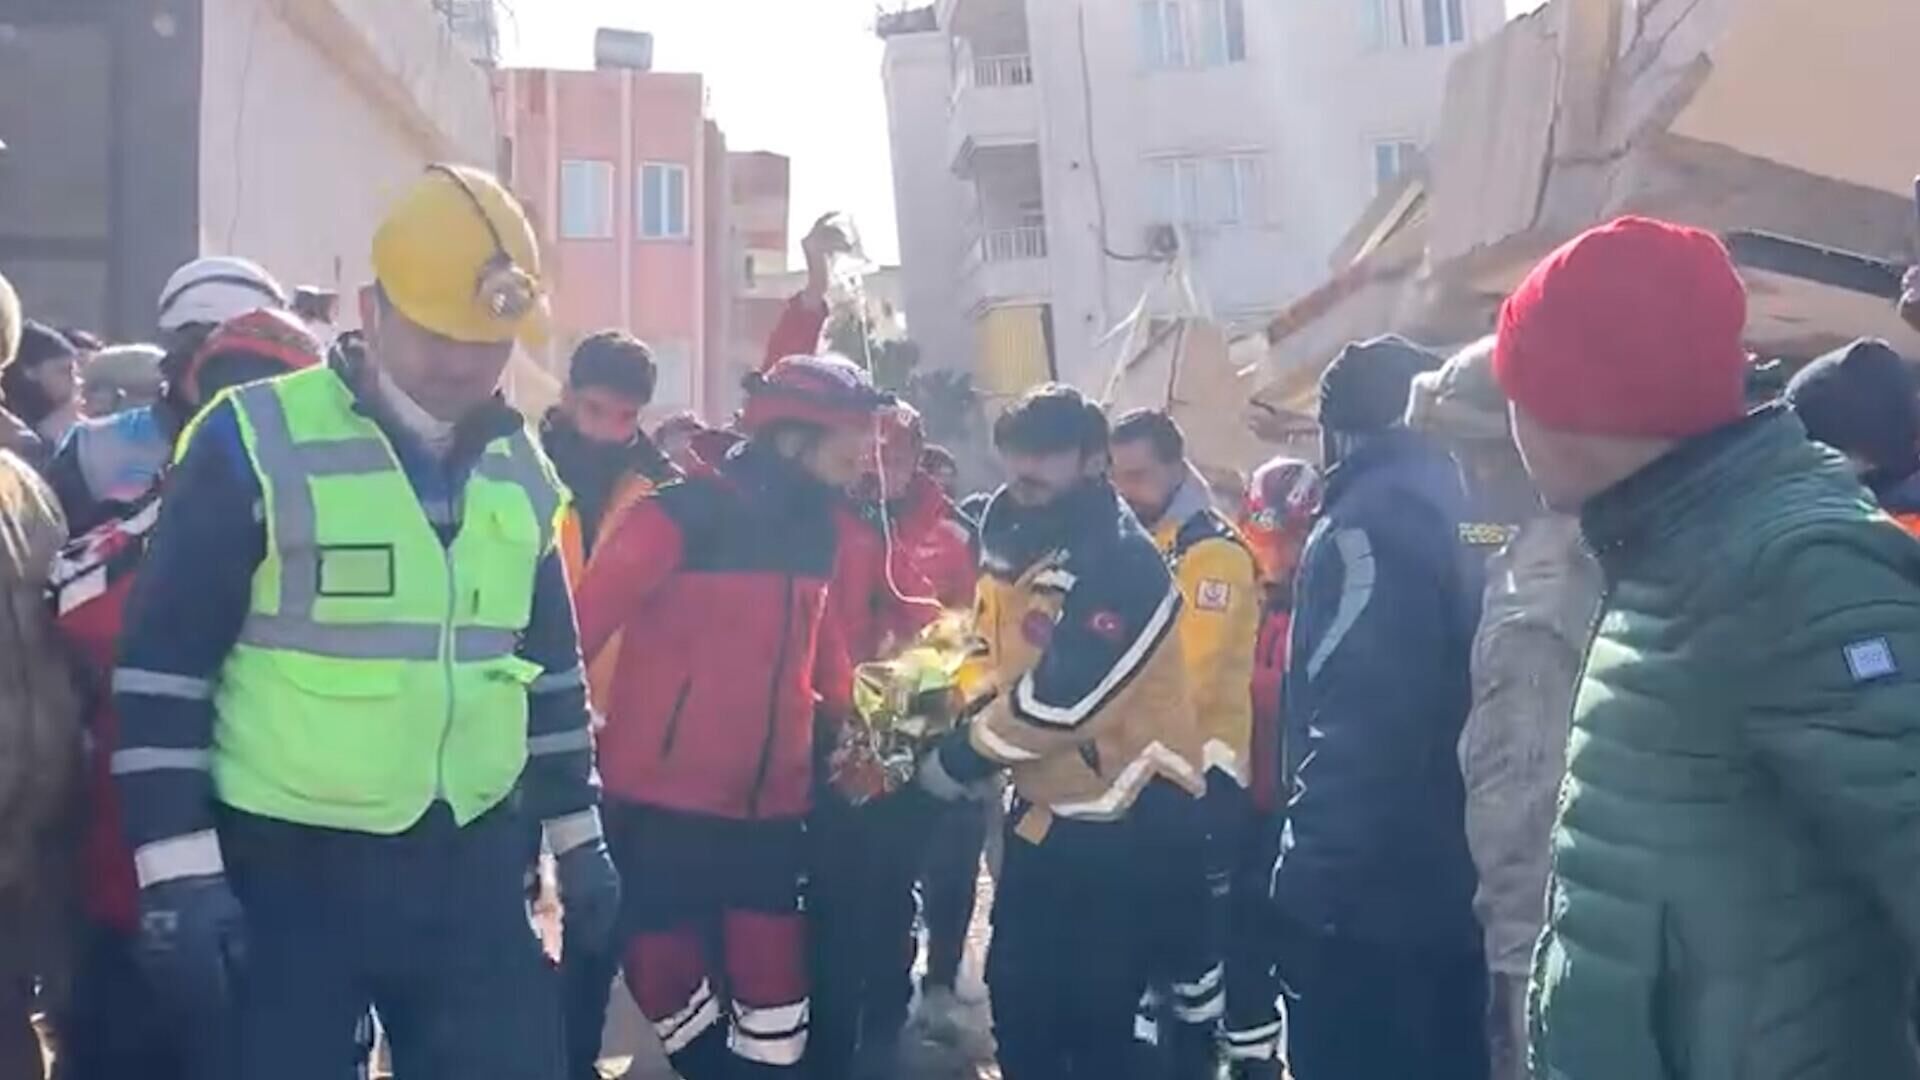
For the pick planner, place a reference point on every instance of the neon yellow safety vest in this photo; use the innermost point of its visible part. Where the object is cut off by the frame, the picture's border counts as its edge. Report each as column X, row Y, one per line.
column 376, row 672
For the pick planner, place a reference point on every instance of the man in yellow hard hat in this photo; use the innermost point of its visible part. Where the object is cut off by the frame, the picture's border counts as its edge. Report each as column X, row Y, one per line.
column 350, row 686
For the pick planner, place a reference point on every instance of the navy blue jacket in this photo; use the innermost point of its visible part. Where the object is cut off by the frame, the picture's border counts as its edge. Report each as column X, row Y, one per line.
column 193, row 595
column 1377, row 690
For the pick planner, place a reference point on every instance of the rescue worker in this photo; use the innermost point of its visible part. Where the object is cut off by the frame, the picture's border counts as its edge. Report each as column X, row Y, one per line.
column 1091, row 713
column 1374, row 883
column 1736, row 856
column 1862, row 401
column 1543, row 589
column 1218, row 627
column 39, row 745
column 115, row 1026
column 718, row 586
column 903, row 560
column 608, row 464
column 1283, row 496
column 106, row 463
column 798, row 331
column 350, row 690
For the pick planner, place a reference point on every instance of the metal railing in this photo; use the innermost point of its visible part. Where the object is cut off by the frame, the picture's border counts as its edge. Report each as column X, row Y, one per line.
column 1012, row 70
column 1011, row 245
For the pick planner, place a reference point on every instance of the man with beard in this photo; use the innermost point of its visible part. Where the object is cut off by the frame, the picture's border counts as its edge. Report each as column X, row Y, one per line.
column 1218, row 627
column 1090, row 712
column 609, row 464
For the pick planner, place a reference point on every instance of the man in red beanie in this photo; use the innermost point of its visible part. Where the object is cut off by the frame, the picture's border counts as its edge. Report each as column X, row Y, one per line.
column 717, row 585
column 1736, row 885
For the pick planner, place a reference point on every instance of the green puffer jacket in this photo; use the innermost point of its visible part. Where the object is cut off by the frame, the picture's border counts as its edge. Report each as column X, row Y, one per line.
column 1736, row 890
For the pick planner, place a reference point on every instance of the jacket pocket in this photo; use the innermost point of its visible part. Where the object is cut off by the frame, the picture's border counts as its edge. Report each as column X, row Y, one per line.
column 671, row 731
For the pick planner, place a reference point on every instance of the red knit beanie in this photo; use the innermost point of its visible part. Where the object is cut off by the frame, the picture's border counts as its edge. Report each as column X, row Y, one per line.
column 1633, row 329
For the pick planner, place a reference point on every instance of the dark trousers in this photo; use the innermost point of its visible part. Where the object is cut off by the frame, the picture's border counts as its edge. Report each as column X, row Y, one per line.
column 1075, row 940
column 1370, row 1011
column 429, row 927
column 586, row 989
column 860, row 902
column 115, row 1027
column 950, row 886
column 715, row 950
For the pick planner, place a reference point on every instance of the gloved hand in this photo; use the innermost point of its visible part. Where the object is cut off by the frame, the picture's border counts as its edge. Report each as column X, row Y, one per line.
column 193, row 943
column 589, row 892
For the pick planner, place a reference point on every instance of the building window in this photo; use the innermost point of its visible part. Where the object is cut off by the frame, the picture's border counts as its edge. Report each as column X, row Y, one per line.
column 1446, row 21
column 1163, row 34
column 673, row 384
column 1394, row 158
column 586, row 200
column 1223, row 32
column 663, row 202
column 1216, row 191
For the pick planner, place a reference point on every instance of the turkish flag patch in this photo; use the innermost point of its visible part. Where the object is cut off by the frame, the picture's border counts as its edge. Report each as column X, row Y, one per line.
column 1108, row 624
column 1213, row 595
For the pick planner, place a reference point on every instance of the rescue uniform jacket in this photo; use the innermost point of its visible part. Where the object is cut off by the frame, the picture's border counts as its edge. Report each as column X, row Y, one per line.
column 1077, row 613
column 1220, row 618
column 196, row 595
column 1376, row 693
column 718, row 584
column 933, row 568
column 1736, row 862
column 1543, row 589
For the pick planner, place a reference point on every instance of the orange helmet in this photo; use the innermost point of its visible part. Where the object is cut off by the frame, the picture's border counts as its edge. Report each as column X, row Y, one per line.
column 1283, row 497
column 274, row 342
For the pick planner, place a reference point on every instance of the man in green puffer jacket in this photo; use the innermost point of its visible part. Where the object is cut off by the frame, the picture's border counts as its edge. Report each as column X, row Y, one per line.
column 1736, row 883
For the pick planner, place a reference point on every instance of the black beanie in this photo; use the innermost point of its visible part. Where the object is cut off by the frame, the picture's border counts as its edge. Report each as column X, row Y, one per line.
column 1365, row 389
column 1860, row 400
column 40, row 343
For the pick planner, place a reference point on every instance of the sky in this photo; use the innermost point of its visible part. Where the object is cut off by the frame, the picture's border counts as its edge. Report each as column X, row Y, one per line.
column 798, row 77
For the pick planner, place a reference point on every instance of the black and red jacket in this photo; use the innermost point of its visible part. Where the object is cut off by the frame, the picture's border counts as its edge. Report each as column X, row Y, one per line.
column 717, row 585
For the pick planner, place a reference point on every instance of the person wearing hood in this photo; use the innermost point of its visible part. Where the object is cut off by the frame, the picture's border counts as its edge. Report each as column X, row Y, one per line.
column 1218, row 628
column 608, row 464
column 1864, row 401
column 1543, row 590
column 1374, row 882
column 1736, row 856
column 350, row 687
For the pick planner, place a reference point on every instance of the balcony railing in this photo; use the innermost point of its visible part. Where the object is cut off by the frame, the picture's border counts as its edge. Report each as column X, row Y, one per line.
column 1014, row 70
column 1012, row 245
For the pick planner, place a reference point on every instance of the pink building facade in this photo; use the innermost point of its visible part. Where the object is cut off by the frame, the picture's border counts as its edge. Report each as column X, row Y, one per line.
column 617, row 168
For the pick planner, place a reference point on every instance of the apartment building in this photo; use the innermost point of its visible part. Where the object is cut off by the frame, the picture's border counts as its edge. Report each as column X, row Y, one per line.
column 620, row 170
column 1053, row 161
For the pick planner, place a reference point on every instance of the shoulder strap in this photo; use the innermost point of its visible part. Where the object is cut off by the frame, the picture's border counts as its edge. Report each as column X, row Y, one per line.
column 1201, row 527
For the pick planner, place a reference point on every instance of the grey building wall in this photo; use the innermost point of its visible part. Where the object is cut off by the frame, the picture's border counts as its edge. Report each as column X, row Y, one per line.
column 100, row 111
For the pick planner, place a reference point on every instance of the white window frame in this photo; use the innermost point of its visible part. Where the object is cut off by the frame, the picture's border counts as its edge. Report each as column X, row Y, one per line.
column 666, row 210
column 1222, row 24
column 1451, row 26
column 586, row 222
column 1390, row 24
column 1162, row 26
column 1404, row 153
column 1208, row 191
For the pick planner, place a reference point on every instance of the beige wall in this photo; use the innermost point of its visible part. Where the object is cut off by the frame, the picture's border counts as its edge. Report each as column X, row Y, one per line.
column 315, row 114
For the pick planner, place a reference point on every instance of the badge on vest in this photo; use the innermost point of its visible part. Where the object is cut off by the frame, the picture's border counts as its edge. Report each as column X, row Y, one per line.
column 355, row 570
column 1213, row 595
column 1871, row 659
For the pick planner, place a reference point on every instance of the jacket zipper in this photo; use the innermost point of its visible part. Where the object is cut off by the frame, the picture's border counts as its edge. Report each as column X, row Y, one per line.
column 447, row 645
column 673, row 720
column 773, row 700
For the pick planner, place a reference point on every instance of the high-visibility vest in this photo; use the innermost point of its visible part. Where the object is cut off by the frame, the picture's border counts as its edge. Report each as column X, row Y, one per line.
column 376, row 671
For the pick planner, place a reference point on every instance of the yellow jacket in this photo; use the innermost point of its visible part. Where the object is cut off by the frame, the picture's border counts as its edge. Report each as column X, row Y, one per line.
column 1092, row 700
column 1219, row 623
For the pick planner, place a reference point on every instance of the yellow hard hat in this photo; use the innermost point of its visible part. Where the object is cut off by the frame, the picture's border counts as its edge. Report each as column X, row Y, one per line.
column 457, row 256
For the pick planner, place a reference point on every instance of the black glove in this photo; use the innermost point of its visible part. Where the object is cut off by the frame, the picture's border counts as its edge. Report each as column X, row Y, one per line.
column 589, row 892
column 193, row 943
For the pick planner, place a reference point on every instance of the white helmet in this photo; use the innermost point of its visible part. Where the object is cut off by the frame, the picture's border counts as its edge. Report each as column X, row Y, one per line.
column 214, row 289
